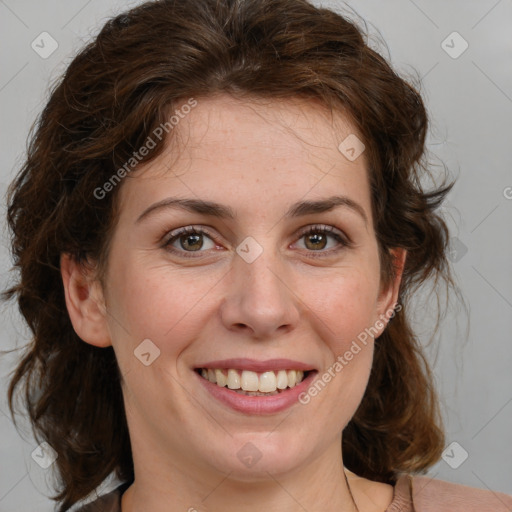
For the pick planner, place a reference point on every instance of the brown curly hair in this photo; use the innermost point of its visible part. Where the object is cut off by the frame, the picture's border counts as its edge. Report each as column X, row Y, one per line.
column 115, row 92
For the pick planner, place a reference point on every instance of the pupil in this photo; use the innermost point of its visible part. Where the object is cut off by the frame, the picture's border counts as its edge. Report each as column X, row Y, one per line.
column 317, row 238
column 189, row 246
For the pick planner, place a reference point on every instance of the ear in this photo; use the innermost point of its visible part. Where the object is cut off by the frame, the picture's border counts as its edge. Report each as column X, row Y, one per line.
column 388, row 297
column 85, row 302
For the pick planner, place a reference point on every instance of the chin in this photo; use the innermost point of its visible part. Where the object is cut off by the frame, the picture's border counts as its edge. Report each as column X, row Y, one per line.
column 251, row 457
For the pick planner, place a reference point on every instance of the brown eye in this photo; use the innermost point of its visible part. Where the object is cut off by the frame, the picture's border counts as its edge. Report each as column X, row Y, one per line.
column 189, row 240
column 317, row 239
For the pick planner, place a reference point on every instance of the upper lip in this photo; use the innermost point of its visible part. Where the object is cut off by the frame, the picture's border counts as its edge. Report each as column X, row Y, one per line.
column 257, row 366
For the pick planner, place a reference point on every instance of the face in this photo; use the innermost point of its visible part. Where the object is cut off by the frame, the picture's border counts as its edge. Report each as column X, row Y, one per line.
column 269, row 289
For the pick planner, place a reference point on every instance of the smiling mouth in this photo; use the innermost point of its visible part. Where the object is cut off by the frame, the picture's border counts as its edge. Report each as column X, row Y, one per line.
column 246, row 382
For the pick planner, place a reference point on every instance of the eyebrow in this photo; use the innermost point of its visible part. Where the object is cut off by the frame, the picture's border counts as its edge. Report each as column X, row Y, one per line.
column 220, row 211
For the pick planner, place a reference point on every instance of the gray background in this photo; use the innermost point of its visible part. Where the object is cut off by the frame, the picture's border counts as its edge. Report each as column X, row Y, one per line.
column 470, row 102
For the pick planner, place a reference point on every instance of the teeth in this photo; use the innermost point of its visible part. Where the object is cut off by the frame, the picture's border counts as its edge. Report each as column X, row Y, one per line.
column 252, row 383
column 221, row 379
column 267, row 382
column 233, row 379
column 282, row 379
column 256, row 393
column 249, row 381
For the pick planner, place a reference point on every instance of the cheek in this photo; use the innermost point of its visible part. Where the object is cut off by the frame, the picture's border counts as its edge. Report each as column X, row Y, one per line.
column 159, row 303
column 345, row 328
column 347, row 307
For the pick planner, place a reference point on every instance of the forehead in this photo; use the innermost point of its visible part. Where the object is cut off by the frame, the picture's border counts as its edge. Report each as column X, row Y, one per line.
column 227, row 147
column 233, row 126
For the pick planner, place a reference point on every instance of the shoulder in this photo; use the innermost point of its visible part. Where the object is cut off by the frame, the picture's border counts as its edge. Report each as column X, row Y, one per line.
column 431, row 495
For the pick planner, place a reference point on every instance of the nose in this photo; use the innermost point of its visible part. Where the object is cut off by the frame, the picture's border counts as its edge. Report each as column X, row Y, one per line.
column 258, row 299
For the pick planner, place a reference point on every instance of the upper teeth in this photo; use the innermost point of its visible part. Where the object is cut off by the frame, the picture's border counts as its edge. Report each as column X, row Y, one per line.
column 266, row 382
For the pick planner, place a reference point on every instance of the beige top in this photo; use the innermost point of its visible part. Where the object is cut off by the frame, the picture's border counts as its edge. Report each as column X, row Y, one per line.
column 411, row 494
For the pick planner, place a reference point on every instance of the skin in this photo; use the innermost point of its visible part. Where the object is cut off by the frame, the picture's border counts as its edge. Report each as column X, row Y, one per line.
column 257, row 158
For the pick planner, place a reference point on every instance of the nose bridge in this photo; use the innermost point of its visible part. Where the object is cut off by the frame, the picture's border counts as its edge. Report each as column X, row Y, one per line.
column 261, row 277
column 259, row 297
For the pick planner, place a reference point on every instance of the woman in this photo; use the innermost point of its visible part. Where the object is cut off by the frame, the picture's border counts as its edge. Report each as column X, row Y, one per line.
column 218, row 227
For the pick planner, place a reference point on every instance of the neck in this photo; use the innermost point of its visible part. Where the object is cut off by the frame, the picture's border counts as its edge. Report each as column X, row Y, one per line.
column 162, row 486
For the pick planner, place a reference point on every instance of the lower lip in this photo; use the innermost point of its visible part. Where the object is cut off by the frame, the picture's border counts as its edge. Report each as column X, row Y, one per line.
column 257, row 404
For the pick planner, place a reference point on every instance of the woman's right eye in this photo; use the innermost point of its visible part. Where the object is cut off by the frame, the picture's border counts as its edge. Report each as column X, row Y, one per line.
column 189, row 240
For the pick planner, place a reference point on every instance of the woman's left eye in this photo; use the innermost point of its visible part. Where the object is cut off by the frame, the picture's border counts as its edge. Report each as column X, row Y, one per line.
column 190, row 239
column 316, row 238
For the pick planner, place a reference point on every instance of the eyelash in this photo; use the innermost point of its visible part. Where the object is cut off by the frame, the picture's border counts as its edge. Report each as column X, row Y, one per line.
column 320, row 228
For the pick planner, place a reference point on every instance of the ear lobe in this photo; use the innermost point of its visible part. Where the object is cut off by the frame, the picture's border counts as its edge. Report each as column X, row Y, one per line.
column 85, row 302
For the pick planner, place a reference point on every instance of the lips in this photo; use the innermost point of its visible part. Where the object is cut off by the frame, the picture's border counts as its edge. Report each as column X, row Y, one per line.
column 256, row 387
